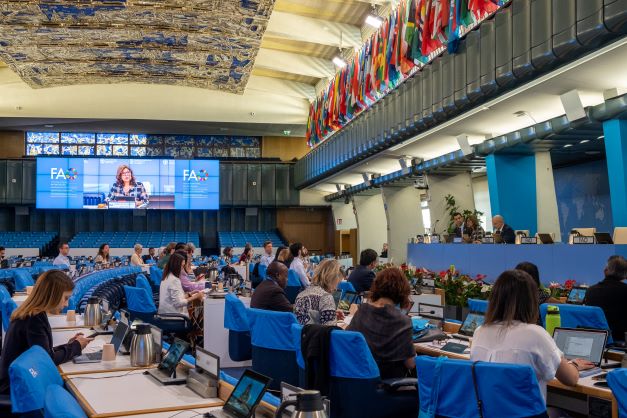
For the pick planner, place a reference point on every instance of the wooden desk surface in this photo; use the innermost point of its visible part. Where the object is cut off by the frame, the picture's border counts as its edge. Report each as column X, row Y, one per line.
column 130, row 393
column 61, row 322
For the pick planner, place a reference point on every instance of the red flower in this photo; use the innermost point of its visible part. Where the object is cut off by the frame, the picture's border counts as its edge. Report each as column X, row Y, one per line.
column 443, row 274
column 568, row 284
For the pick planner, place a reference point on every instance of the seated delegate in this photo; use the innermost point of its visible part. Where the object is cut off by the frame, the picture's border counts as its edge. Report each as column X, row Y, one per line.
column 610, row 294
column 503, row 230
column 172, row 298
column 363, row 275
column 270, row 294
column 315, row 304
column 29, row 324
column 388, row 331
column 510, row 333
column 189, row 283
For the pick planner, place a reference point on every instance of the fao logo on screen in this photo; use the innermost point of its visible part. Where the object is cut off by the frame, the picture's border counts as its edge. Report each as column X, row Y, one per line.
column 60, row 174
column 193, row 175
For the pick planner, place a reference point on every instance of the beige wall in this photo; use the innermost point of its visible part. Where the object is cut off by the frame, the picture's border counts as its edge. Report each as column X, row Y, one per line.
column 283, row 147
column 12, row 144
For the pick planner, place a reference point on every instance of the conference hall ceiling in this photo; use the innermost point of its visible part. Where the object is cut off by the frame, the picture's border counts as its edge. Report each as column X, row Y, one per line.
column 210, row 44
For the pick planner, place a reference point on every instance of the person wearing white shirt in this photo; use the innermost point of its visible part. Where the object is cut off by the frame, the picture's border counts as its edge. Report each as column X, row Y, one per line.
column 297, row 264
column 136, row 258
column 266, row 257
column 62, row 259
column 172, row 298
column 510, row 333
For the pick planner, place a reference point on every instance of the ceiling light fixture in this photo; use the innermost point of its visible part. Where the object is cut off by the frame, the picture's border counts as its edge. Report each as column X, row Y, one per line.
column 339, row 61
column 568, row 145
column 374, row 20
column 601, row 137
column 583, row 141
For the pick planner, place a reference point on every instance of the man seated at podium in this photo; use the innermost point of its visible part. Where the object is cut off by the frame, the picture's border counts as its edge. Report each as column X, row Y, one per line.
column 458, row 222
column 503, row 230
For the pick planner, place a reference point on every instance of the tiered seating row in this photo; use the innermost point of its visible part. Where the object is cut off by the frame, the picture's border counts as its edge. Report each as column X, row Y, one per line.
column 129, row 239
column 26, row 239
column 256, row 239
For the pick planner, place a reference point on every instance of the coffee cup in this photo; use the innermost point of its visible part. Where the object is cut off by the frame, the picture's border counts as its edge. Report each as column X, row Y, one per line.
column 108, row 352
column 71, row 316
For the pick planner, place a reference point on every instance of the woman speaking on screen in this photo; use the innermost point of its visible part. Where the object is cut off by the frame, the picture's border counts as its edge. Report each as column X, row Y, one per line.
column 126, row 187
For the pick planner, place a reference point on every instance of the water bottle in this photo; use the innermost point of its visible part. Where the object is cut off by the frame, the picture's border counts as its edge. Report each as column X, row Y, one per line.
column 552, row 319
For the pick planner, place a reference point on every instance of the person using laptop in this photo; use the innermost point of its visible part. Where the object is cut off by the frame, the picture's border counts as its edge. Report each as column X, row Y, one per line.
column 62, row 259
column 172, row 298
column 387, row 330
column 505, row 231
column 267, row 257
column 363, row 275
column 103, row 254
column 29, row 324
column 510, row 333
column 610, row 294
column 297, row 251
column 532, row 270
column 315, row 304
column 270, row 293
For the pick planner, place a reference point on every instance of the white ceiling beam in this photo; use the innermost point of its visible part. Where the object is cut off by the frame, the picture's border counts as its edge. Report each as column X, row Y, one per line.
column 306, row 29
column 283, row 87
column 288, row 62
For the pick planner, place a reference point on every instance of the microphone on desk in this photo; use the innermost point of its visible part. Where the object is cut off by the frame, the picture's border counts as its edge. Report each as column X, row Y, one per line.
column 434, row 225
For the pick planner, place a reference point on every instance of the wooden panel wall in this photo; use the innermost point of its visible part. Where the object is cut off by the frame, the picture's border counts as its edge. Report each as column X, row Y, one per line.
column 283, row 147
column 12, row 144
column 311, row 226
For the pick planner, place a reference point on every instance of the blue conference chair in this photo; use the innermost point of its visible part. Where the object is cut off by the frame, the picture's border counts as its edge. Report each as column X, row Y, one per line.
column 156, row 275
column 142, row 281
column 59, row 403
column 617, row 380
column 31, row 374
column 262, row 271
column 579, row 316
column 7, row 306
column 293, row 287
column 446, row 389
column 346, row 286
column 141, row 306
column 273, row 351
column 356, row 388
column 236, row 321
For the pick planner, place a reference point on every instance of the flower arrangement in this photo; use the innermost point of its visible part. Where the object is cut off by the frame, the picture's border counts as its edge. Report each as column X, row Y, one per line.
column 458, row 287
column 558, row 290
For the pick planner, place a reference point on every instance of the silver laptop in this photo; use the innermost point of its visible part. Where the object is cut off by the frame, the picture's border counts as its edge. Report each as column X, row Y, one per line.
column 116, row 340
column 245, row 396
column 587, row 344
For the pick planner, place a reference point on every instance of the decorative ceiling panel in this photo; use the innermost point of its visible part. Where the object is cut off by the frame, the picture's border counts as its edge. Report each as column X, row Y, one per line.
column 199, row 43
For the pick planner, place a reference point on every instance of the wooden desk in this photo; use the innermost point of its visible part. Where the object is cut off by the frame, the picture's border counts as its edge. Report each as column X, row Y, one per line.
column 61, row 322
column 585, row 386
column 130, row 393
column 19, row 298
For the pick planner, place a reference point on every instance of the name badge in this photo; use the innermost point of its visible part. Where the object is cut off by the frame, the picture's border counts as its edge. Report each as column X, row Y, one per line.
column 488, row 240
column 583, row 240
column 528, row 240
column 457, row 240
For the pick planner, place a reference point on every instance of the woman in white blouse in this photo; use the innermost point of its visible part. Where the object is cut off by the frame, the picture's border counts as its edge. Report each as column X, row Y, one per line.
column 172, row 298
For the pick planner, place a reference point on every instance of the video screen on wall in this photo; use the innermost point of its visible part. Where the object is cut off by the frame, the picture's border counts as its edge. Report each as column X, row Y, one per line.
column 126, row 183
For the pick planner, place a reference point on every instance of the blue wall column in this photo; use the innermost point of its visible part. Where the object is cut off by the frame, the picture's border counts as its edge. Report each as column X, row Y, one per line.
column 616, row 154
column 512, row 186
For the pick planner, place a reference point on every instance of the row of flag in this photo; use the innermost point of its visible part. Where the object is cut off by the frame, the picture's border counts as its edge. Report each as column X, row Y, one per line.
column 412, row 35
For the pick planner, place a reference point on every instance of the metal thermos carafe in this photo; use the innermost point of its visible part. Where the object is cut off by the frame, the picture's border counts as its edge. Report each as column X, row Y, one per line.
column 308, row 404
column 142, row 347
column 93, row 312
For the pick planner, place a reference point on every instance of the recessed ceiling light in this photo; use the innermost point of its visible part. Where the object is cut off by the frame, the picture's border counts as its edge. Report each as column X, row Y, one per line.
column 48, row 126
column 583, row 141
column 568, row 145
column 601, row 137
column 374, row 21
column 339, row 61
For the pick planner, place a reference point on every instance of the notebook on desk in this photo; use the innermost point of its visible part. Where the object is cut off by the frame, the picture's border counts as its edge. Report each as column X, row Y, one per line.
column 587, row 344
column 245, row 396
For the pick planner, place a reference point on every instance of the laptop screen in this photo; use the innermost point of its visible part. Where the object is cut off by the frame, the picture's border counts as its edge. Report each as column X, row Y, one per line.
column 346, row 300
column 246, row 394
column 473, row 321
column 579, row 343
column 118, row 335
column 576, row 295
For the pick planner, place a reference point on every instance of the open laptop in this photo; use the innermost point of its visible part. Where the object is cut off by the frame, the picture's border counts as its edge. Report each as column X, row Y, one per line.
column 434, row 313
column 245, row 396
column 473, row 321
column 344, row 300
column 576, row 295
column 545, row 238
column 166, row 371
column 587, row 344
column 116, row 340
column 603, row 238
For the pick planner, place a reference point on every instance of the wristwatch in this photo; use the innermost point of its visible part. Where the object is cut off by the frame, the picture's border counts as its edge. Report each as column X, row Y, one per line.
column 574, row 364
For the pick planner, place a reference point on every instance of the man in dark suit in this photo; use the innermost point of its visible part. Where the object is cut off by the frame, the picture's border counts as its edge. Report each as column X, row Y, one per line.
column 152, row 255
column 458, row 221
column 610, row 294
column 270, row 293
column 363, row 276
column 505, row 231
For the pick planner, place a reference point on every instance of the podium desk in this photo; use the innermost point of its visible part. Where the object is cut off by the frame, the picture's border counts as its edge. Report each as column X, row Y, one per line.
column 117, row 394
column 572, row 398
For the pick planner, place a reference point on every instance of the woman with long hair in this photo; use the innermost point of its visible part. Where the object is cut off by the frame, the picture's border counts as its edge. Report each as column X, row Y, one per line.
column 187, row 277
column 387, row 330
column 510, row 334
column 247, row 256
column 319, row 296
column 126, row 186
column 172, row 298
column 103, row 254
column 29, row 324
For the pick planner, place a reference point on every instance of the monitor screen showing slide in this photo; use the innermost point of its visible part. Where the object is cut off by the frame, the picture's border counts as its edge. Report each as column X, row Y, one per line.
column 126, row 183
